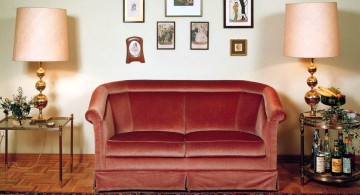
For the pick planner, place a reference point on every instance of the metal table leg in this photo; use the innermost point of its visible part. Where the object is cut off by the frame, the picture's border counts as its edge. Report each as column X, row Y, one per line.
column 72, row 143
column 60, row 155
column 6, row 150
column 302, row 149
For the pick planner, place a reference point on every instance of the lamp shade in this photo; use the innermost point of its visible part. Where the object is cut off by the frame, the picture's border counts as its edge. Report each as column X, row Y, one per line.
column 311, row 30
column 41, row 35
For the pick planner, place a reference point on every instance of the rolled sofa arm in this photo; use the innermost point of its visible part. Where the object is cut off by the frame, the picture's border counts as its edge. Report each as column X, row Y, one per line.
column 273, row 107
column 97, row 105
column 270, row 115
column 99, row 114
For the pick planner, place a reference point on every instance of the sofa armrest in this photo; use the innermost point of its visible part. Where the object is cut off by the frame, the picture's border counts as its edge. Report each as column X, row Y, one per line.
column 273, row 107
column 270, row 115
column 99, row 114
column 97, row 105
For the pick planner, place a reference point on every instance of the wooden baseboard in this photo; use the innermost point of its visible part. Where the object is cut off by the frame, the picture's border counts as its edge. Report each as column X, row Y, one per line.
column 297, row 158
column 288, row 158
column 81, row 157
column 47, row 157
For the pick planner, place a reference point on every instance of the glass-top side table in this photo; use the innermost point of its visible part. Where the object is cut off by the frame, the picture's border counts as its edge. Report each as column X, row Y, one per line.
column 316, row 122
column 53, row 124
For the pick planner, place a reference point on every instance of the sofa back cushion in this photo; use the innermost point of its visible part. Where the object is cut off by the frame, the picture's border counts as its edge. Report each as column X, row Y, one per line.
column 185, row 106
column 247, row 112
column 221, row 111
column 121, row 111
column 211, row 111
column 184, row 112
column 148, row 111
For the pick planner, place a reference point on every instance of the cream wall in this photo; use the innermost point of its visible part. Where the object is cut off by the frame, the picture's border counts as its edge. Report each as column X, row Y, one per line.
column 97, row 50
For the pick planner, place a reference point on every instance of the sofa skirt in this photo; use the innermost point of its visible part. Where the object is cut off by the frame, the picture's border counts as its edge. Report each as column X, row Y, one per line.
column 232, row 180
column 186, row 180
column 139, row 180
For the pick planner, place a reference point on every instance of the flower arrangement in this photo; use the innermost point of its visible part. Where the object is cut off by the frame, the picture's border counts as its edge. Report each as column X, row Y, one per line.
column 335, row 115
column 19, row 106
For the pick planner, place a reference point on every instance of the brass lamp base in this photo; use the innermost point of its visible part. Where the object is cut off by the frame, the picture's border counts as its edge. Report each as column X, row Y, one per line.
column 40, row 100
column 312, row 97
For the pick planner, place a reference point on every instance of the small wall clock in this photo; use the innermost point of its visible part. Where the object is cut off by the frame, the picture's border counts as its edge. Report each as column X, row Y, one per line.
column 135, row 51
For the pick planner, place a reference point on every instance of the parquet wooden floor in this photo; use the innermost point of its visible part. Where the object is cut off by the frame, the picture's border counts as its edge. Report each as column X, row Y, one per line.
column 44, row 177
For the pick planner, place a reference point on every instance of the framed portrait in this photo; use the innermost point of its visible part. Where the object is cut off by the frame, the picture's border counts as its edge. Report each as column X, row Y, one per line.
column 238, row 47
column 199, row 35
column 165, row 35
column 183, row 8
column 135, row 51
column 238, row 13
column 134, row 11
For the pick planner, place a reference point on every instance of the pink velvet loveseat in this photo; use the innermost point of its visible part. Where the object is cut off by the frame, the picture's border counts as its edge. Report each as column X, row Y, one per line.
column 185, row 135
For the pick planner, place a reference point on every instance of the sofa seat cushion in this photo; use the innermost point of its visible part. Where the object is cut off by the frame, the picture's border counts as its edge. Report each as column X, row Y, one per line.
column 224, row 144
column 146, row 144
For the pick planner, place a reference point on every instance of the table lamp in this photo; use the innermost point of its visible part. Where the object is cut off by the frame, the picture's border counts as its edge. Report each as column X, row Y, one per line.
column 40, row 36
column 311, row 31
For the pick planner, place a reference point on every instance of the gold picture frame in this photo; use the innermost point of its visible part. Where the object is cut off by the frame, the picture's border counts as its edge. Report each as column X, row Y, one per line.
column 238, row 47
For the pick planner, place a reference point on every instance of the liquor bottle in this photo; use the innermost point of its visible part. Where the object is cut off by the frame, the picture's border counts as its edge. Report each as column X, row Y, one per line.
column 326, row 150
column 336, row 161
column 320, row 159
column 347, row 169
column 335, row 144
column 341, row 144
column 314, row 149
column 352, row 151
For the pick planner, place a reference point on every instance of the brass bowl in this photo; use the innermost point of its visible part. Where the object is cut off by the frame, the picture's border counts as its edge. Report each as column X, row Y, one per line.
column 333, row 101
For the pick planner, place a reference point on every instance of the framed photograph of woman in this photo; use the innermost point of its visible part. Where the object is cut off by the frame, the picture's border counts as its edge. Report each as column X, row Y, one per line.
column 238, row 13
column 165, row 35
column 134, row 11
column 238, row 47
column 135, row 51
column 183, row 8
column 199, row 35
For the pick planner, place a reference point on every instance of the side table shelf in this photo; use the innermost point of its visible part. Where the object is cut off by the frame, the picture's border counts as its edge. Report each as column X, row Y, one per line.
column 328, row 178
column 305, row 168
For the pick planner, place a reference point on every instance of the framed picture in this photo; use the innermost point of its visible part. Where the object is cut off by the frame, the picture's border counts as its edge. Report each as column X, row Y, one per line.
column 165, row 35
column 183, row 8
column 238, row 13
column 199, row 35
column 134, row 11
column 135, row 51
column 238, row 47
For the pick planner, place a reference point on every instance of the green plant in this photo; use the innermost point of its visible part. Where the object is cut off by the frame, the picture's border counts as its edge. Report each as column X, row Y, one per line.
column 19, row 107
column 337, row 112
column 335, row 116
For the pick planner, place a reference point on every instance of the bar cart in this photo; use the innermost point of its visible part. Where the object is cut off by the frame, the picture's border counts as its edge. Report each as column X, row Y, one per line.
column 306, row 119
